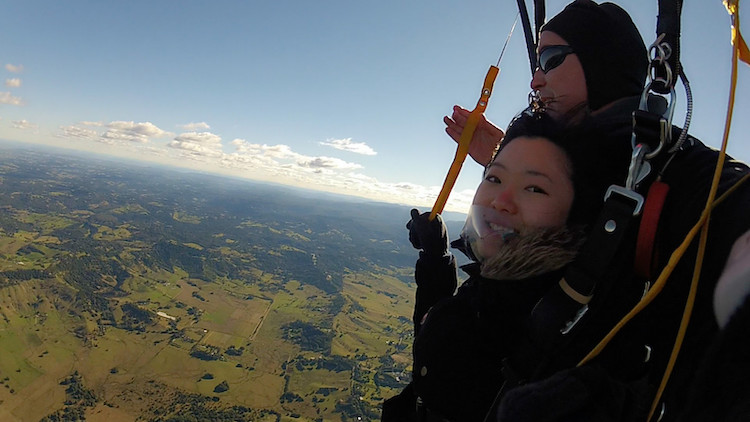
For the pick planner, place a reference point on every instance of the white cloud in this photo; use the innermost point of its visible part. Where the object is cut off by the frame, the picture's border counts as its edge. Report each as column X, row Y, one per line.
column 280, row 151
column 283, row 155
column 6, row 98
column 195, row 126
column 327, row 163
column 97, row 124
column 205, row 138
column 120, row 131
column 13, row 83
column 77, row 132
column 464, row 198
column 23, row 124
column 146, row 129
column 278, row 163
column 407, row 186
column 262, row 162
column 347, row 145
column 13, row 68
column 198, row 143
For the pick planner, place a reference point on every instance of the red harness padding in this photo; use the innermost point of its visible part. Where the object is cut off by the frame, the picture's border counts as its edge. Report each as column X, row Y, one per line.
column 644, row 251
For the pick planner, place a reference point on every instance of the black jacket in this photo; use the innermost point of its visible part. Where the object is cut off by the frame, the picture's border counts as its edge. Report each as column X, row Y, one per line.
column 619, row 385
column 721, row 391
column 461, row 339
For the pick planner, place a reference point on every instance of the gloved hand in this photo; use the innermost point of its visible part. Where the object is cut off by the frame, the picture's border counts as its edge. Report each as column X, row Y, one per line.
column 583, row 394
column 430, row 236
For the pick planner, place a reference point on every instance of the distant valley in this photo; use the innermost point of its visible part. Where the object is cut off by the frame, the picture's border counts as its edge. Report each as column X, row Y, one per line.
column 130, row 292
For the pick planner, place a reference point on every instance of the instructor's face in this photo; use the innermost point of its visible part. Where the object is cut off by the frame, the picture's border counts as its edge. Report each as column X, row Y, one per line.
column 563, row 87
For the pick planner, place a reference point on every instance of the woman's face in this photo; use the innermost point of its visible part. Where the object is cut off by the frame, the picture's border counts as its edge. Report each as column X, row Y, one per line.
column 528, row 186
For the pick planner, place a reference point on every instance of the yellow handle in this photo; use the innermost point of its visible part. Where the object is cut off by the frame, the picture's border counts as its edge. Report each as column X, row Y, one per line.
column 464, row 141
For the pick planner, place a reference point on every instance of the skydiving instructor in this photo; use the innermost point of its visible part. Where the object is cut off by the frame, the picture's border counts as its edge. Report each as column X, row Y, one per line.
column 592, row 69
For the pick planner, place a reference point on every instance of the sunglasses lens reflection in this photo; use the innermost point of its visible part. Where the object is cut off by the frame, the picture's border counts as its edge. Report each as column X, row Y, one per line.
column 553, row 62
column 553, row 56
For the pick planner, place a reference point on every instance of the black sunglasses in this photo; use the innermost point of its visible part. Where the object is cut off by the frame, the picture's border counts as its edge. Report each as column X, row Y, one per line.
column 552, row 56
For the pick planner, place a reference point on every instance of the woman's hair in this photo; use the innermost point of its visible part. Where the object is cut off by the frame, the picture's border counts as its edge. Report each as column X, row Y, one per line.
column 594, row 163
column 530, row 123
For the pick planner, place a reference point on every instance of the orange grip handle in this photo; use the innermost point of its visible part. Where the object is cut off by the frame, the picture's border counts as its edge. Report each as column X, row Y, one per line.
column 463, row 143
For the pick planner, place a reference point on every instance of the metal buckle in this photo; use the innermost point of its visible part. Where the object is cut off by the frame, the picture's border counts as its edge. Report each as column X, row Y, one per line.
column 572, row 323
column 626, row 193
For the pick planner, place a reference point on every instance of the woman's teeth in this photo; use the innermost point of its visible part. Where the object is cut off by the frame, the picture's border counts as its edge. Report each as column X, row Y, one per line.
column 502, row 230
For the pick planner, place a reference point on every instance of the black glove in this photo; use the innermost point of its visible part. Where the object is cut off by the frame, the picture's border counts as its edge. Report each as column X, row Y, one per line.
column 585, row 393
column 430, row 236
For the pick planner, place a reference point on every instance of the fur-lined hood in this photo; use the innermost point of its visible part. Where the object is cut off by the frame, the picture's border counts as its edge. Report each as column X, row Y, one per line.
column 529, row 255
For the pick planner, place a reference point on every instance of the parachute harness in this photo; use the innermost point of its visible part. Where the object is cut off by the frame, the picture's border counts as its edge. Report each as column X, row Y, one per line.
column 568, row 301
column 652, row 136
column 639, row 165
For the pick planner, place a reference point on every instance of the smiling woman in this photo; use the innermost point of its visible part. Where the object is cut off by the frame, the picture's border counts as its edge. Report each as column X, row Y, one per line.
column 527, row 186
column 527, row 223
column 531, row 178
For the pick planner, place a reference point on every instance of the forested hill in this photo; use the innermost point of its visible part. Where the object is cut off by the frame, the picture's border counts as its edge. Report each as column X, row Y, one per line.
column 117, row 278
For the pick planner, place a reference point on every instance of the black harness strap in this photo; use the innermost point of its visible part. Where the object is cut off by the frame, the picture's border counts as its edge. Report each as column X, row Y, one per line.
column 530, row 38
column 552, row 322
column 540, row 13
column 668, row 24
column 558, row 312
column 554, row 319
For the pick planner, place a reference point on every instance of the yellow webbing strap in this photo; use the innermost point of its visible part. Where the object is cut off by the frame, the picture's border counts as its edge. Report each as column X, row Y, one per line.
column 463, row 143
column 733, row 7
column 739, row 51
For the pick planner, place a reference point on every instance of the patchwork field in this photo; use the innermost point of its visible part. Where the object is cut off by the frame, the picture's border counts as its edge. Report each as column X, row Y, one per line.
column 44, row 340
column 146, row 303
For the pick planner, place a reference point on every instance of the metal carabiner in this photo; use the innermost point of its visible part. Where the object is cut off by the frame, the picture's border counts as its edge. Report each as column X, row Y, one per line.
column 659, row 69
column 665, row 130
column 660, row 53
column 535, row 101
column 639, row 166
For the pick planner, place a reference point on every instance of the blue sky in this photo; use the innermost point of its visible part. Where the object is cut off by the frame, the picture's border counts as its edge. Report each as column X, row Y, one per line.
column 342, row 96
